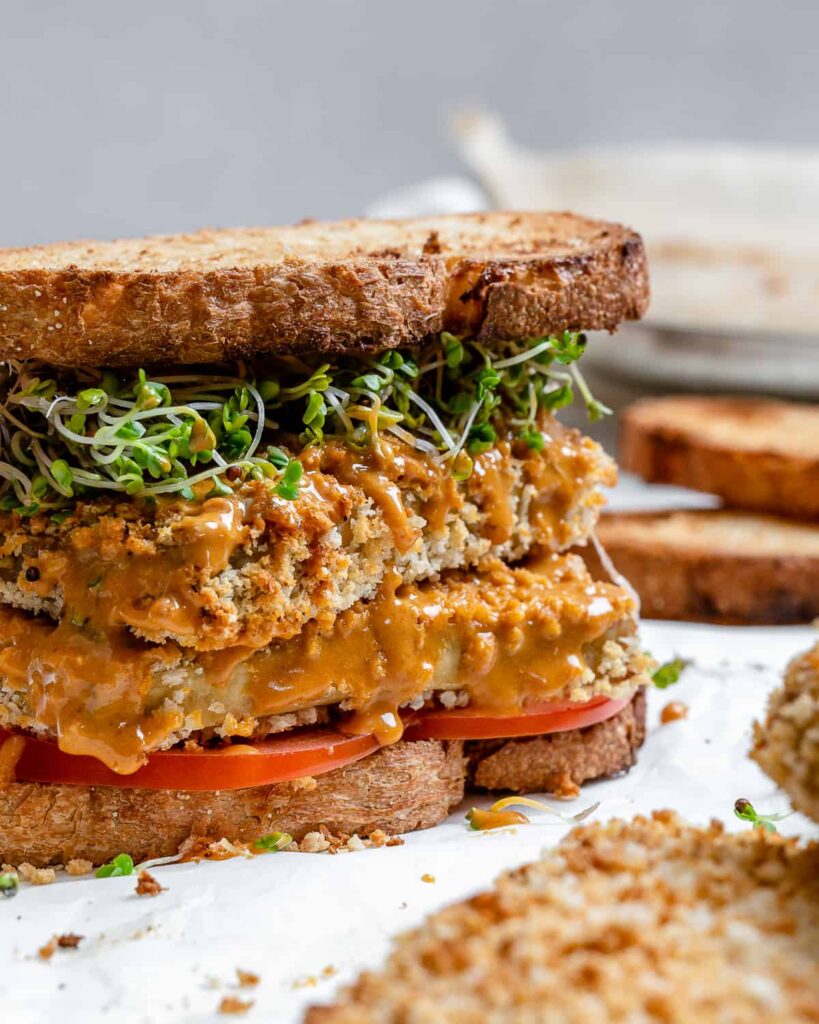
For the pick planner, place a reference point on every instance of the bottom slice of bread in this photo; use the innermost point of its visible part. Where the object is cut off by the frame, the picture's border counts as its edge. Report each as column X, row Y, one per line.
column 400, row 788
column 560, row 762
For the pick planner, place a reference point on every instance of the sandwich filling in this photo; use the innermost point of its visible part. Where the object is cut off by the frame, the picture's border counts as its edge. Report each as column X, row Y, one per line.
column 206, row 558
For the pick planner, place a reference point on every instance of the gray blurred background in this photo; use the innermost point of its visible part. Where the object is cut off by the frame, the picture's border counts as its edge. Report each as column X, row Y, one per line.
column 122, row 119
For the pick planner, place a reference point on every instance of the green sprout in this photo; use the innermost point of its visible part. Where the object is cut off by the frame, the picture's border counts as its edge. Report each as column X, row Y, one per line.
column 273, row 842
column 198, row 434
column 669, row 673
column 9, row 884
column 122, row 864
column 744, row 810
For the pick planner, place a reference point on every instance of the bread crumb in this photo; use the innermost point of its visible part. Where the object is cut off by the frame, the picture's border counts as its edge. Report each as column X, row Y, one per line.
column 46, row 952
column 36, row 876
column 427, row 877
column 355, row 843
column 147, row 885
column 234, row 1005
column 306, row 981
column 673, row 711
column 69, row 940
column 79, row 867
column 395, row 841
column 314, row 842
column 329, row 971
column 247, row 979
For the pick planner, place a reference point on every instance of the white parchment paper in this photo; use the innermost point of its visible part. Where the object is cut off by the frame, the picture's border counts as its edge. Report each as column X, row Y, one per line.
column 309, row 922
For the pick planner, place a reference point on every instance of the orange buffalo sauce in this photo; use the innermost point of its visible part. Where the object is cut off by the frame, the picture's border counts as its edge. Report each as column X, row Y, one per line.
column 505, row 637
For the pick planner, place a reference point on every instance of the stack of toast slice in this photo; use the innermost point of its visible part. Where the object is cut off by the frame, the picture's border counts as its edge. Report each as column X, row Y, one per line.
column 756, row 560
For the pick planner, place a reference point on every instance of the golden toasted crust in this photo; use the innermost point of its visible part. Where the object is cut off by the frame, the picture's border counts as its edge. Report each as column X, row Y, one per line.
column 755, row 453
column 648, row 920
column 560, row 762
column 400, row 788
column 317, row 287
column 786, row 745
column 716, row 566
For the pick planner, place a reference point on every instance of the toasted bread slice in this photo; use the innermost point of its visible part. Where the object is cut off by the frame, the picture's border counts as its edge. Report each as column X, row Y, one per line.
column 717, row 566
column 317, row 287
column 560, row 762
column 786, row 744
column 406, row 786
column 409, row 785
column 648, row 920
column 754, row 453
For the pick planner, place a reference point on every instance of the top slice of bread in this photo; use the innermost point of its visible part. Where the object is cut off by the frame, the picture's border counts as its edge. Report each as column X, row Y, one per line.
column 754, row 453
column 317, row 287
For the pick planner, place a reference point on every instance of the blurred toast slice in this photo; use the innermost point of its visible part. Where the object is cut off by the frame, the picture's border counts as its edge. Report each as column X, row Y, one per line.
column 351, row 285
column 754, row 453
column 716, row 565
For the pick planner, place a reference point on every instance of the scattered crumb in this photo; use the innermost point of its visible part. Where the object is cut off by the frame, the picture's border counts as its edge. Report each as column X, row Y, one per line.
column 234, row 1005
column 355, row 843
column 36, row 876
column 329, row 971
column 673, row 711
column 8, row 869
column 395, row 841
column 147, row 885
column 247, row 979
column 67, row 941
column 306, row 981
column 378, row 838
column 427, row 878
column 79, row 867
column 314, row 842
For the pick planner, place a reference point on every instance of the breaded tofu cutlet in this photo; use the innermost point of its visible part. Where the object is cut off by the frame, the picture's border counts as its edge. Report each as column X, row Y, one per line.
column 786, row 744
column 255, row 567
column 647, row 920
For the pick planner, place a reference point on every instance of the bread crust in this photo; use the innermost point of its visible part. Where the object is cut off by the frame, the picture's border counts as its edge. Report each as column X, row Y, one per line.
column 403, row 787
column 687, row 565
column 561, row 762
column 754, row 453
column 317, row 288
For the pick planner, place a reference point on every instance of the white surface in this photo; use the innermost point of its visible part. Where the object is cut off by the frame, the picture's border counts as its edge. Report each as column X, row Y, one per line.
column 288, row 916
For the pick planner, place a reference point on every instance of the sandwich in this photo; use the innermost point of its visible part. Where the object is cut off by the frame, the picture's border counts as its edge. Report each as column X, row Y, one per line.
column 786, row 744
column 645, row 920
column 755, row 560
column 284, row 523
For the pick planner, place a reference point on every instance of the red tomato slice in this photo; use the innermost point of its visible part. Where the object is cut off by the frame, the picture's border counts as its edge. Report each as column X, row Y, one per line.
column 292, row 756
column 537, row 720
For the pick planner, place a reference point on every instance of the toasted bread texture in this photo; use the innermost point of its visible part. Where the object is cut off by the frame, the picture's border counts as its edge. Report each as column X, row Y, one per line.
column 560, row 762
column 648, row 920
column 409, row 785
column 710, row 565
column 786, row 744
column 317, row 287
column 400, row 788
column 754, row 453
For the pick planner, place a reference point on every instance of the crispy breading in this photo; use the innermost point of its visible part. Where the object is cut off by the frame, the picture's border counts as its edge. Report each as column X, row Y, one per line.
column 786, row 744
column 648, row 920
column 254, row 569
column 548, row 629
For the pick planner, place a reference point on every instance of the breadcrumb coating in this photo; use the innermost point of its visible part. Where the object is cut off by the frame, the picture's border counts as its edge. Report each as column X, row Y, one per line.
column 786, row 744
column 647, row 920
